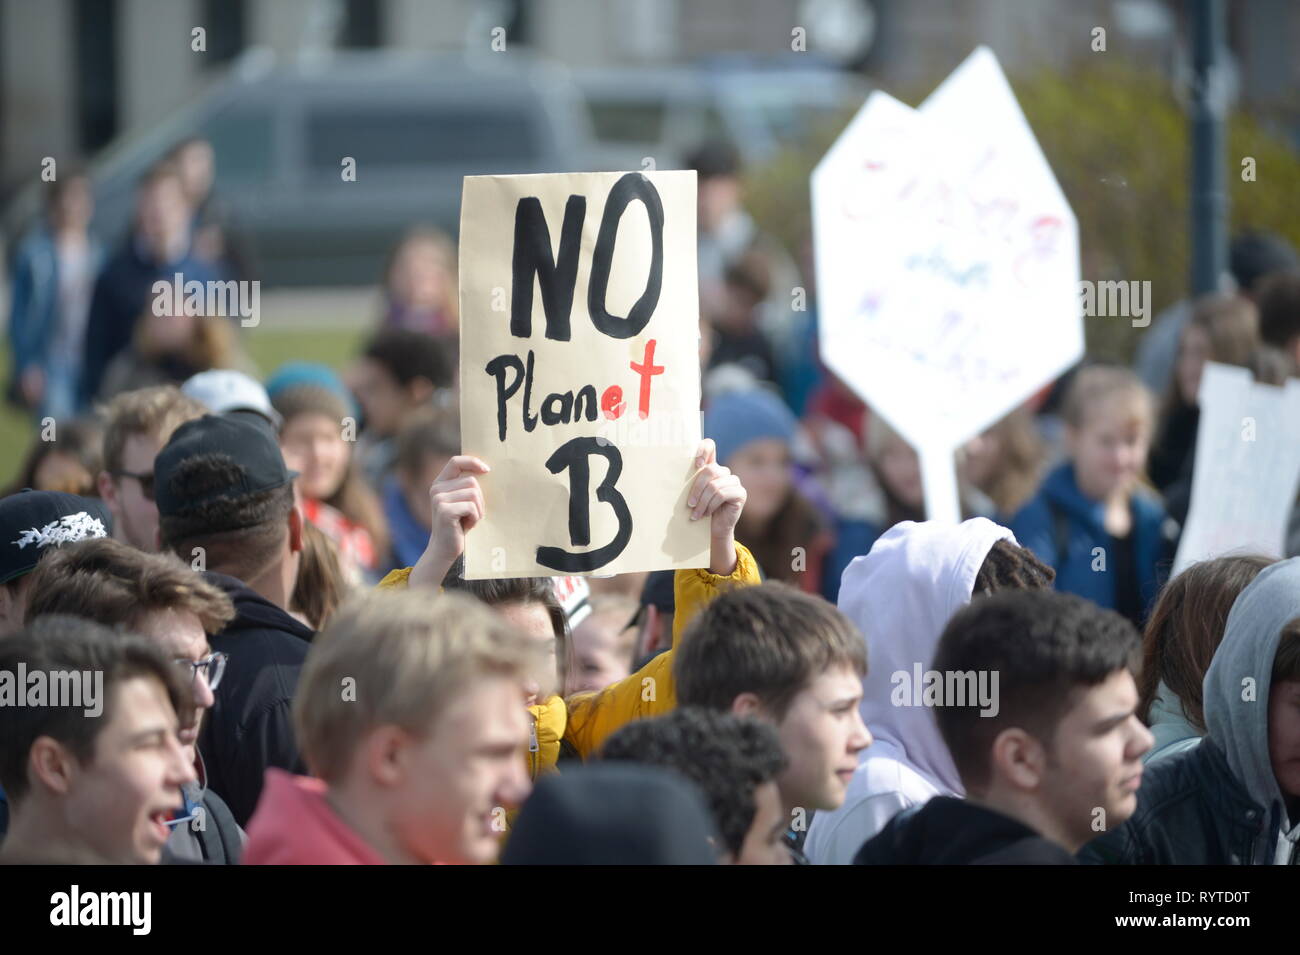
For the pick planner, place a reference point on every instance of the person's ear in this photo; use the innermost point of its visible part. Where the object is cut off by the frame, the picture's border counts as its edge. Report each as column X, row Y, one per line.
column 107, row 490
column 646, row 634
column 1019, row 759
column 295, row 530
column 419, row 390
column 385, row 755
column 747, row 704
column 661, row 637
column 51, row 765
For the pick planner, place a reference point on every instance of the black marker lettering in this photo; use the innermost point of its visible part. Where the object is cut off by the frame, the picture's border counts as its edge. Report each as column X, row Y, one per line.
column 632, row 186
column 497, row 368
column 575, row 455
column 585, row 403
column 532, row 257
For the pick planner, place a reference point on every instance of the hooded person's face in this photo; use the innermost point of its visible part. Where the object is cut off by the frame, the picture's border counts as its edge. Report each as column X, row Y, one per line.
column 1284, row 739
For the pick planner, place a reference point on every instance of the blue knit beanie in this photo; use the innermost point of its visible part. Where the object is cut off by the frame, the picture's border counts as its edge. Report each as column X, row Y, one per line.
column 736, row 418
column 283, row 387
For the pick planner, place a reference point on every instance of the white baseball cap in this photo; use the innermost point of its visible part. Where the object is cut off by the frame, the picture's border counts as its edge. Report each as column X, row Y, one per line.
column 224, row 389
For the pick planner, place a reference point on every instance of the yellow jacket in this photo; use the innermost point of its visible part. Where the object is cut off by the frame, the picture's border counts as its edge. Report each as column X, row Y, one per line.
column 585, row 720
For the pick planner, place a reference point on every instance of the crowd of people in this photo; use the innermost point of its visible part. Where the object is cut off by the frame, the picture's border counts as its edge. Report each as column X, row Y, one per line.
column 266, row 572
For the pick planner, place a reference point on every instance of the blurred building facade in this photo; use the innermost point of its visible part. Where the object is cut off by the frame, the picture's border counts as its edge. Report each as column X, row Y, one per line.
column 74, row 74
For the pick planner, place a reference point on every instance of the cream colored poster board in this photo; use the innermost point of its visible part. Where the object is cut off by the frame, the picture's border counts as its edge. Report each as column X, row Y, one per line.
column 579, row 371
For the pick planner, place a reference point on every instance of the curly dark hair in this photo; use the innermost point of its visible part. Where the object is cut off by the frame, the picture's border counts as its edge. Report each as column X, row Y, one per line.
column 1043, row 646
column 1009, row 566
column 726, row 756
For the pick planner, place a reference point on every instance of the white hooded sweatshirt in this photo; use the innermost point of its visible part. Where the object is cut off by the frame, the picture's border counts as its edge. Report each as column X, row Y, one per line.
column 901, row 596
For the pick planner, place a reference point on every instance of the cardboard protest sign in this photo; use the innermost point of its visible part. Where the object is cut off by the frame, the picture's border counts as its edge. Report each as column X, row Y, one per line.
column 1247, row 467
column 947, row 265
column 580, row 375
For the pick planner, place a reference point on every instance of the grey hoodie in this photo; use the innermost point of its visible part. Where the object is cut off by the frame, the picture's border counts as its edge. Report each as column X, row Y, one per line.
column 1169, row 724
column 1236, row 693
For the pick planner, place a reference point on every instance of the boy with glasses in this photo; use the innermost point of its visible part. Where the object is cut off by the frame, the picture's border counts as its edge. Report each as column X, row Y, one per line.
column 157, row 597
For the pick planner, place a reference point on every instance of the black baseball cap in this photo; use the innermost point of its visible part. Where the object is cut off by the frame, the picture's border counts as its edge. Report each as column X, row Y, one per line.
column 32, row 521
column 251, row 447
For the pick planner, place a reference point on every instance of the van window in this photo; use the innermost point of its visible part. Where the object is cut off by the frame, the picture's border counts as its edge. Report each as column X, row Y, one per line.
column 790, row 116
column 243, row 145
column 627, row 120
column 412, row 136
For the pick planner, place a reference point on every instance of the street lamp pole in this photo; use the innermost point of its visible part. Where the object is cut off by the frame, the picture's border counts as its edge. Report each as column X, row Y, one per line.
column 1209, row 142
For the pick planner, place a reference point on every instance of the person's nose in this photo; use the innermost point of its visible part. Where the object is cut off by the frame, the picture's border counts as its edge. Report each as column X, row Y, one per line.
column 861, row 737
column 1142, row 741
column 180, row 770
column 203, row 695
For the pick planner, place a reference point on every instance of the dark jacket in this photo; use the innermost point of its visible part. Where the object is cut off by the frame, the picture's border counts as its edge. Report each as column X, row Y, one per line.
column 122, row 293
column 1173, row 451
column 1220, row 803
column 250, row 728
column 1062, row 527
column 1191, row 811
column 948, row 831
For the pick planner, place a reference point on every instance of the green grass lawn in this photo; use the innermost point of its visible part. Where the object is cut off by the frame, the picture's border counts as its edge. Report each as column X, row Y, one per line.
column 269, row 349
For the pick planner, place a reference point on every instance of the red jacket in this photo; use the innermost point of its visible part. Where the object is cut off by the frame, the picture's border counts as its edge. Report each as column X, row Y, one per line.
column 294, row 825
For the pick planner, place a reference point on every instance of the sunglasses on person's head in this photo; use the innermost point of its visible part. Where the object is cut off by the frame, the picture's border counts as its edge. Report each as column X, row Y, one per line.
column 146, row 482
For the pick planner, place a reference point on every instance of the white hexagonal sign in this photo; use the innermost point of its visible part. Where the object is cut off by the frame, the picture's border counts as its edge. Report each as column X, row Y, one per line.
column 947, row 265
